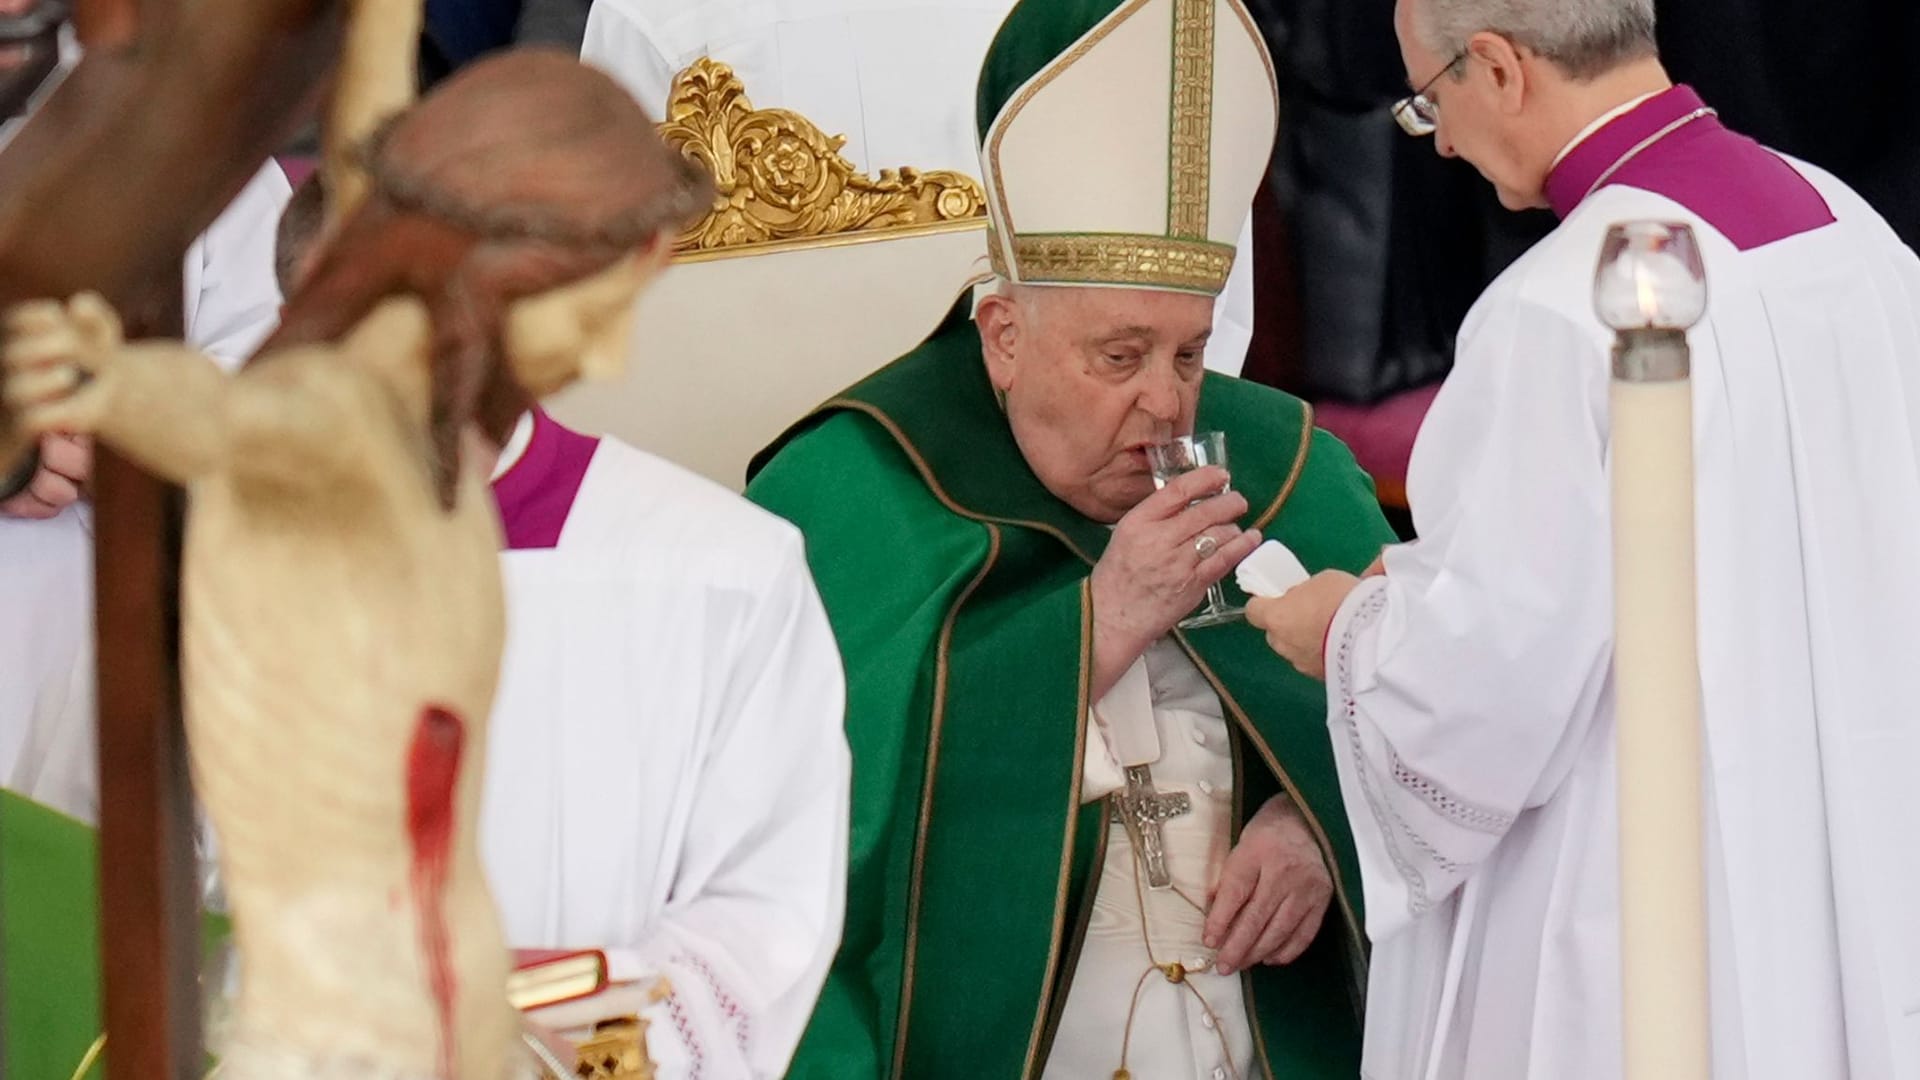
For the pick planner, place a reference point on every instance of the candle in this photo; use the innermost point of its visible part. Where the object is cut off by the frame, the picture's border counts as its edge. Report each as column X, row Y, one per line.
column 1650, row 288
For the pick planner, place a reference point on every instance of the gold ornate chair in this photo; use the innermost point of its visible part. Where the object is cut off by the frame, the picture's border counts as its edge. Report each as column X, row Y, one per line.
column 805, row 277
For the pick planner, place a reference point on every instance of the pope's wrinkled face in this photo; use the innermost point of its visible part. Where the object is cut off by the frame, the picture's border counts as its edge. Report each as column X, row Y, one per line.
column 1090, row 378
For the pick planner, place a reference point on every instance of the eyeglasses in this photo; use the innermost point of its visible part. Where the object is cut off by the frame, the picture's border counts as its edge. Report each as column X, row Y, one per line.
column 1419, row 115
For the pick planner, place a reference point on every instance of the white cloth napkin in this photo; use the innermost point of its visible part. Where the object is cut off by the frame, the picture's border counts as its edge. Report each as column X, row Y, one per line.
column 1270, row 571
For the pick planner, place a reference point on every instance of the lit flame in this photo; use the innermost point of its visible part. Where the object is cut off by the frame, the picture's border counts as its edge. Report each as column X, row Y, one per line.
column 1644, row 288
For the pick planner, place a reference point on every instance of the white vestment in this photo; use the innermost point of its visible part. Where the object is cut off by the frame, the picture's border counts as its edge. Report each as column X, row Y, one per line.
column 1471, row 689
column 896, row 77
column 1163, row 699
column 667, row 772
column 46, row 567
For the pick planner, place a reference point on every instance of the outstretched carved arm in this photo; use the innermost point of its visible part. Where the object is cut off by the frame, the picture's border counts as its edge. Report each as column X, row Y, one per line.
column 160, row 404
column 171, row 409
column 67, row 369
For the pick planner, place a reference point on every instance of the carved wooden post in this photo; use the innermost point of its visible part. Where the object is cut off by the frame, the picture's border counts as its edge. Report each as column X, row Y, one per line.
column 149, row 900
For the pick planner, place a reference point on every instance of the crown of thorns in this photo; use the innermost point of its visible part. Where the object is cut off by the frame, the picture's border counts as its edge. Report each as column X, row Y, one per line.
column 417, row 195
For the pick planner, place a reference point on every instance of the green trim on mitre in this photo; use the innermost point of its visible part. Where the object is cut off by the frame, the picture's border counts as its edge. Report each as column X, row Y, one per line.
column 1035, row 34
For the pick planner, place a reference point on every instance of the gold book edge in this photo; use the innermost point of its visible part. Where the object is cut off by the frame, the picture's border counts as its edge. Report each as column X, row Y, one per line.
column 555, row 981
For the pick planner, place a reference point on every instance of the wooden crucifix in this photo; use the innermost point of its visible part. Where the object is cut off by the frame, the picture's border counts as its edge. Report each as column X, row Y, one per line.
column 173, row 108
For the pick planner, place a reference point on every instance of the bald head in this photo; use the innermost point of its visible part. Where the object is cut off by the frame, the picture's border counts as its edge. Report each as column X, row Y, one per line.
column 299, row 230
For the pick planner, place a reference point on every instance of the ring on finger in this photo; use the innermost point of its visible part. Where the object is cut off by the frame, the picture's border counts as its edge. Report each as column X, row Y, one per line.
column 1205, row 545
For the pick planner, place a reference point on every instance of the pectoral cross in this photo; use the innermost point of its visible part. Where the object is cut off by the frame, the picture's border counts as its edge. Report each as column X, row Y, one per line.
column 1143, row 811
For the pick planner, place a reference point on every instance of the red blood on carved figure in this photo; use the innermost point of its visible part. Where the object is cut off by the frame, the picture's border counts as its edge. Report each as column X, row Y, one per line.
column 433, row 771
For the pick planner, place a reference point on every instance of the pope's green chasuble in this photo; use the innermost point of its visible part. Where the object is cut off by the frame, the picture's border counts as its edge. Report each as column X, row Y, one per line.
column 50, row 933
column 50, row 918
column 957, row 587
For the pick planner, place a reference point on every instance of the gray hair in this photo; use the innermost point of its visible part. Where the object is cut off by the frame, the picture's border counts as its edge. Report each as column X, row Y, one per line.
column 1030, row 299
column 1586, row 38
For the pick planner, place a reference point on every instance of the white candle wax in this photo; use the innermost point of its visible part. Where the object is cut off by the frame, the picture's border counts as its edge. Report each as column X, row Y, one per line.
column 1657, row 693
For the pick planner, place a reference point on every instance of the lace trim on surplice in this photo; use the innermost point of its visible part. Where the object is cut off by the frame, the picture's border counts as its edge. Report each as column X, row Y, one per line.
column 1461, row 812
column 1393, row 827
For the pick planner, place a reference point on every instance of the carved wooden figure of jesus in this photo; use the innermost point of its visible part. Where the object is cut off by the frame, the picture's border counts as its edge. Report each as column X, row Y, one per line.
column 341, row 601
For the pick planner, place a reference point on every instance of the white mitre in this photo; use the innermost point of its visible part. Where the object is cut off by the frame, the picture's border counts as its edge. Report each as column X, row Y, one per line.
column 1123, row 141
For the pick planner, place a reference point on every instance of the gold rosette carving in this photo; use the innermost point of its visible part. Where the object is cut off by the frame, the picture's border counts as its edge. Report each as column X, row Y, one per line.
column 780, row 178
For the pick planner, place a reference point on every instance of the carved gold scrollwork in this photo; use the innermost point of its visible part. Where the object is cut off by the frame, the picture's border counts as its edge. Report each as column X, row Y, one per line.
column 617, row 1050
column 780, row 178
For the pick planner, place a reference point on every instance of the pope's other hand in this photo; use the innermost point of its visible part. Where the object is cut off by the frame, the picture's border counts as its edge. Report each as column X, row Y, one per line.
column 1272, row 894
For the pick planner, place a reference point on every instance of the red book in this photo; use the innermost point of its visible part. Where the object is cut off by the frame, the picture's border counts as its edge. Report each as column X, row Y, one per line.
column 543, row 977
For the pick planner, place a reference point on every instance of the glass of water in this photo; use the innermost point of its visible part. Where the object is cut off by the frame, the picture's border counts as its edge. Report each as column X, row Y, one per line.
column 1184, row 455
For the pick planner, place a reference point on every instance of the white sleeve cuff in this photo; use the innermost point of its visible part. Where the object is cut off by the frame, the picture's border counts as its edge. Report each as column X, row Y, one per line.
column 1127, row 707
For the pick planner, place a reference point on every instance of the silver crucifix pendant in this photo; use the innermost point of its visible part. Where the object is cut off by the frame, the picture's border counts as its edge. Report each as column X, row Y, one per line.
column 1143, row 811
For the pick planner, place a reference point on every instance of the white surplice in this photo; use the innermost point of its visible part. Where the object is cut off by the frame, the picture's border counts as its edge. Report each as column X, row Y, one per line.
column 667, row 766
column 1164, row 700
column 46, row 567
column 1471, row 693
column 898, row 78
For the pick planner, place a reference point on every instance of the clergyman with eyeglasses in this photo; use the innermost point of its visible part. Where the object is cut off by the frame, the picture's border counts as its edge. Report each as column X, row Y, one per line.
column 1470, row 681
